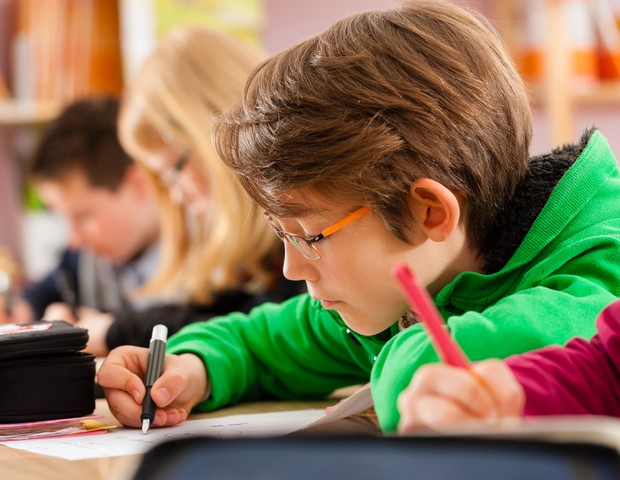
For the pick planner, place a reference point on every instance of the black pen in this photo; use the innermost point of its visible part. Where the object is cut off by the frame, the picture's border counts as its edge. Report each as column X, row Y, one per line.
column 157, row 352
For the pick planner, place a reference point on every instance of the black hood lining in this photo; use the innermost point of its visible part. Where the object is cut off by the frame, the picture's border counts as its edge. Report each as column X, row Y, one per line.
column 531, row 195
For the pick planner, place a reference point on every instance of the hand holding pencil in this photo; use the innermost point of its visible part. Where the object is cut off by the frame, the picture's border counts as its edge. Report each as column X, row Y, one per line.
column 441, row 395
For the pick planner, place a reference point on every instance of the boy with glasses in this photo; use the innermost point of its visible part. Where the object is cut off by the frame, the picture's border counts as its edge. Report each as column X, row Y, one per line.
column 399, row 135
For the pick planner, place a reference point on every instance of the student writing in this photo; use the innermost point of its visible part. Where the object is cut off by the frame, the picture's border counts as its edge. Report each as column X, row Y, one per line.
column 579, row 379
column 397, row 135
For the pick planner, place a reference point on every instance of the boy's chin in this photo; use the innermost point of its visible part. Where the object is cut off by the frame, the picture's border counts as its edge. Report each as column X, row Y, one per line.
column 364, row 330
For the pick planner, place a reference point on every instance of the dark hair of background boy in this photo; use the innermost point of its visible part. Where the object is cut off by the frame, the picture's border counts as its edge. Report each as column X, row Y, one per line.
column 83, row 137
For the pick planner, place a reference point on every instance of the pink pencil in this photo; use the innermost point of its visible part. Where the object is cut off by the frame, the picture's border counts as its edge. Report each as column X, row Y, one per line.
column 420, row 302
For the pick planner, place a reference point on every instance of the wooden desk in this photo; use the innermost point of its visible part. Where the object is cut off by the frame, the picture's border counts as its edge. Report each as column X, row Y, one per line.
column 20, row 465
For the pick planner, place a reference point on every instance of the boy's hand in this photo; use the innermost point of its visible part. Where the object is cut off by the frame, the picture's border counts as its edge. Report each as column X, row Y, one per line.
column 440, row 396
column 4, row 314
column 182, row 385
column 97, row 323
column 59, row 311
column 21, row 312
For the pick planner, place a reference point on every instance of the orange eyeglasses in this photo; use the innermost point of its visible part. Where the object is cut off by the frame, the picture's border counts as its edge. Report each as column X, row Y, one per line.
column 306, row 245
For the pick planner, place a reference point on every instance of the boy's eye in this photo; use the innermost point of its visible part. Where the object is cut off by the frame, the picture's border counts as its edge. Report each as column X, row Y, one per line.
column 320, row 240
column 81, row 216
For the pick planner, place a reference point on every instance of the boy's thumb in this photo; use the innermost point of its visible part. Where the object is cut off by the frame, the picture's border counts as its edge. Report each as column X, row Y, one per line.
column 161, row 396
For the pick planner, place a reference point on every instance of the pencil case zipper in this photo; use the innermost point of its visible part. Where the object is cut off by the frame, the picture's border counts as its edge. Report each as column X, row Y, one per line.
column 35, row 353
column 70, row 358
column 48, row 342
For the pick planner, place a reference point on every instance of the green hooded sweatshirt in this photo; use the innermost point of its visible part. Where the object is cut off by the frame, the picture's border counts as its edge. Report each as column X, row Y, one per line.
column 559, row 276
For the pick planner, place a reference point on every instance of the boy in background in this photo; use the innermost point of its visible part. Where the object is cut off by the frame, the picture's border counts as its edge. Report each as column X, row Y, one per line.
column 81, row 172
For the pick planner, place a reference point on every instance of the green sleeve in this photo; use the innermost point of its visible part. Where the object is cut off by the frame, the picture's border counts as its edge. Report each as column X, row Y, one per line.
column 291, row 350
column 558, row 309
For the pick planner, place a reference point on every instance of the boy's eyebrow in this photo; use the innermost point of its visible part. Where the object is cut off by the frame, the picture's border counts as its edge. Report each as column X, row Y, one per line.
column 297, row 210
column 301, row 212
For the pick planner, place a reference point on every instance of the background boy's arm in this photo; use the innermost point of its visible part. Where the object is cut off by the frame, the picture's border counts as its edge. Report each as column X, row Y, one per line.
column 45, row 292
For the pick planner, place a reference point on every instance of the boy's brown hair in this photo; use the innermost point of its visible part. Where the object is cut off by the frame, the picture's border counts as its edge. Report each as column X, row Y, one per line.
column 378, row 100
column 83, row 137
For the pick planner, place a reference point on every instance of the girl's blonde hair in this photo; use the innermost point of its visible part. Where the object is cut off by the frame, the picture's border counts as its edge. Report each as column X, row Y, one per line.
column 193, row 74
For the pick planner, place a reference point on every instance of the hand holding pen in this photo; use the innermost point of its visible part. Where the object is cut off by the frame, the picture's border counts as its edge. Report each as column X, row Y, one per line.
column 442, row 395
column 157, row 352
column 182, row 385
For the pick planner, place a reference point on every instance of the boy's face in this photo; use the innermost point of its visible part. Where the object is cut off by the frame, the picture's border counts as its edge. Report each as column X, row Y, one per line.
column 354, row 274
column 109, row 224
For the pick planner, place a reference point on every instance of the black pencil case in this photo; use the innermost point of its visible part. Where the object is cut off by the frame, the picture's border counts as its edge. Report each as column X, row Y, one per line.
column 44, row 375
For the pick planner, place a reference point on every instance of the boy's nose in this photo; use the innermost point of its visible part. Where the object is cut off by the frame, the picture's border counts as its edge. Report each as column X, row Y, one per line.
column 75, row 240
column 296, row 266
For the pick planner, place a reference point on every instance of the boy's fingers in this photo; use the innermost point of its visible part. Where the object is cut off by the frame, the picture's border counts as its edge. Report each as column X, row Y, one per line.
column 408, row 408
column 440, row 395
column 124, row 407
column 122, row 370
column 173, row 416
column 507, row 392
column 166, row 389
column 458, row 386
column 129, row 413
column 170, row 386
column 433, row 412
column 119, row 378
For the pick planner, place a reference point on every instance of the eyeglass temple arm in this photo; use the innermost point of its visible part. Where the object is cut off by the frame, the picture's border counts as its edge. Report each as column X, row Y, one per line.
column 360, row 212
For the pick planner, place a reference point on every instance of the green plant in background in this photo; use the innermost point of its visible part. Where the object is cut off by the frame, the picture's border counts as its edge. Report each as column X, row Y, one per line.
column 32, row 201
column 241, row 18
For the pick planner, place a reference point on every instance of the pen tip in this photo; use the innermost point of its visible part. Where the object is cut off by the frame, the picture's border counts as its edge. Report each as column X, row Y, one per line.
column 145, row 426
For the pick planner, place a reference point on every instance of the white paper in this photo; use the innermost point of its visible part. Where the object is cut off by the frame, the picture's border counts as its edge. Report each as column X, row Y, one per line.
column 359, row 402
column 129, row 441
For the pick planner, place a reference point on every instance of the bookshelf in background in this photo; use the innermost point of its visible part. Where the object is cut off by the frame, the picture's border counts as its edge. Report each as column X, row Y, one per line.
column 52, row 52
column 65, row 49
column 568, row 51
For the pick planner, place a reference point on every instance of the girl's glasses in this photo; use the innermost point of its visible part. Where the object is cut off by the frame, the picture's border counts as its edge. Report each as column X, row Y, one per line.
column 169, row 177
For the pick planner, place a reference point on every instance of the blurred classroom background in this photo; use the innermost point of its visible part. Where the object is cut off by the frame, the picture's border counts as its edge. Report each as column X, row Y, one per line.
column 54, row 51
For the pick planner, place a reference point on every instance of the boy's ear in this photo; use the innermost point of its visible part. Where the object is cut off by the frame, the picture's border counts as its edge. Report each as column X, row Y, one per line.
column 435, row 207
column 137, row 178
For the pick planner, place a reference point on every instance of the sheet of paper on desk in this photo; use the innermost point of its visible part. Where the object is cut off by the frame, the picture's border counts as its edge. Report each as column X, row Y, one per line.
column 342, row 419
column 128, row 441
